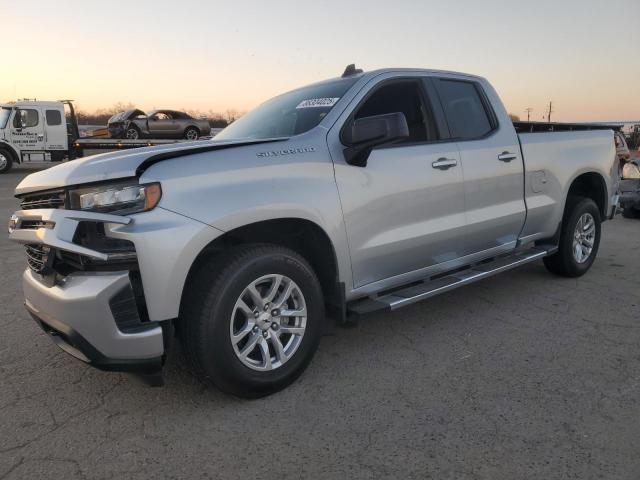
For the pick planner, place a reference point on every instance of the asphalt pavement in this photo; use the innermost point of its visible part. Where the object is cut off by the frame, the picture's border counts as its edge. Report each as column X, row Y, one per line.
column 521, row 376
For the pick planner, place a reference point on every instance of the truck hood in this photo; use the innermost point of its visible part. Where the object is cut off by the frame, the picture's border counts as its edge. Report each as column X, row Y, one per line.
column 120, row 164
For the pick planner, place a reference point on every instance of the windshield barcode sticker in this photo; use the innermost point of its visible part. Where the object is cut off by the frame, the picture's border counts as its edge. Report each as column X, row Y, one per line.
column 318, row 102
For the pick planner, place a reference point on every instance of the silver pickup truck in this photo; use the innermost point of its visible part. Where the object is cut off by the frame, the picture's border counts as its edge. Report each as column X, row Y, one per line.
column 367, row 192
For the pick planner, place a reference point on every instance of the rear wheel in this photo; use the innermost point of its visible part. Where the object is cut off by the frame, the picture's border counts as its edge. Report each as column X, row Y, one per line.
column 252, row 319
column 629, row 212
column 191, row 133
column 579, row 239
column 6, row 160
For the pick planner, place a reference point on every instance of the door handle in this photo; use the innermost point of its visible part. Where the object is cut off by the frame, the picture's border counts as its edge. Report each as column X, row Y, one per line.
column 507, row 156
column 444, row 163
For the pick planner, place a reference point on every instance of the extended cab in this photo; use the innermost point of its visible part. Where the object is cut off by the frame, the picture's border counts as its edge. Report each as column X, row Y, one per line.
column 366, row 192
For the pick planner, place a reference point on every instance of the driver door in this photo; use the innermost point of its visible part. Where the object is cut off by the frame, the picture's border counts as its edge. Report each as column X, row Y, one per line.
column 27, row 129
column 404, row 211
column 160, row 124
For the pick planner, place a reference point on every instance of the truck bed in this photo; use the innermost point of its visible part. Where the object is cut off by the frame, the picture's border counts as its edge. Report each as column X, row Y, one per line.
column 552, row 159
column 533, row 127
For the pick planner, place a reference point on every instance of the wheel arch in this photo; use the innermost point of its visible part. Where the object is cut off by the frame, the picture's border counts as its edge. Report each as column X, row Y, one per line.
column 10, row 148
column 303, row 236
column 590, row 185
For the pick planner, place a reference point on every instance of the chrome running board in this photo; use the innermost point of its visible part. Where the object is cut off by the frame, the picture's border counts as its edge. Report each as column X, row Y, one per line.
column 430, row 287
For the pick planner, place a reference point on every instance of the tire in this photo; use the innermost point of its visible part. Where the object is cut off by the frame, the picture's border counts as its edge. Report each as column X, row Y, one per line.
column 565, row 262
column 6, row 160
column 210, row 315
column 191, row 133
column 629, row 212
column 132, row 133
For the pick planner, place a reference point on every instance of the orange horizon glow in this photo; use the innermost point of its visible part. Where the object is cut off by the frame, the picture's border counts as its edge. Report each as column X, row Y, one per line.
column 235, row 57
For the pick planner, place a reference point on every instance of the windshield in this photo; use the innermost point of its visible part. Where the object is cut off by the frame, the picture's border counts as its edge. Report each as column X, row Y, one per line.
column 289, row 114
column 5, row 112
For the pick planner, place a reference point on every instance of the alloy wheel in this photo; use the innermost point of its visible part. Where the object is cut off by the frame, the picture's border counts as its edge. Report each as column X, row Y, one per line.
column 192, row 134
column 268, row 322
column 584, row 238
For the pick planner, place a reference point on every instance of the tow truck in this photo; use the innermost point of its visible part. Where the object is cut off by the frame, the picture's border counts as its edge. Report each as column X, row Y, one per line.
column 33, row 131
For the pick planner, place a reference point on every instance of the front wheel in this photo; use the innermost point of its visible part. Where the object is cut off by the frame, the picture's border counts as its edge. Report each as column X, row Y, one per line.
column 252, row 319
column 132, row 133
column 579, row 239
column 6, row 161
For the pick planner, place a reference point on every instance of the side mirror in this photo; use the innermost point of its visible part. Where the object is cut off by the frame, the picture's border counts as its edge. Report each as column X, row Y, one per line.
column 630, row 171
column 364, row 134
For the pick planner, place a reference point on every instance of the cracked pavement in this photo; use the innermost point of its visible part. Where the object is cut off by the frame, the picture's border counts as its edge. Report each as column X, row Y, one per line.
column 524, row 375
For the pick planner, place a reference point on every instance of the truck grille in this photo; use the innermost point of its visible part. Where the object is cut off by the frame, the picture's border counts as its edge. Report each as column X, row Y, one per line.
column 37, row 257
column 48, row 200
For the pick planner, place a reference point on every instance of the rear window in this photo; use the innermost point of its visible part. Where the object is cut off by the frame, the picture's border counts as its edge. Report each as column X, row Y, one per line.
column 464, row 109
column 53, row 117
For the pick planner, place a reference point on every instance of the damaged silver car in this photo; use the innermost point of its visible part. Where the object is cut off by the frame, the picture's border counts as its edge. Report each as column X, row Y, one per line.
column 135, row 124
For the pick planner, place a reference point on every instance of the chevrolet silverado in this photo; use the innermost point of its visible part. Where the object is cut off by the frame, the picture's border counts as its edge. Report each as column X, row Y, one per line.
column 362, row 193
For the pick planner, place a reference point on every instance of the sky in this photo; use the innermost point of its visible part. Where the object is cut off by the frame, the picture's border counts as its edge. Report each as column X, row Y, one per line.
column 212, row 55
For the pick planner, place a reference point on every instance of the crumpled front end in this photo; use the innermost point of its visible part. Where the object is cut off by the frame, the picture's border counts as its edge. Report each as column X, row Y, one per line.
column 106, row 287
column 84, row 287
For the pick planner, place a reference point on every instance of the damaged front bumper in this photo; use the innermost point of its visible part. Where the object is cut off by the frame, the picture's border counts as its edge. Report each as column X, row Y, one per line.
column 96, row 314
column 81, row 315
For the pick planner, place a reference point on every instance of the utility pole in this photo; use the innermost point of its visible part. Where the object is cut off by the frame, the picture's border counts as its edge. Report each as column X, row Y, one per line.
column 550, row 112
column 528, row 110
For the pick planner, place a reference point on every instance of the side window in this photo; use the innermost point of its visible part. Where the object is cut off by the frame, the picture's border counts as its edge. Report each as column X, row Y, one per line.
column 25, row 118
column 406, row 97
column 53, row 117
column 464, row 109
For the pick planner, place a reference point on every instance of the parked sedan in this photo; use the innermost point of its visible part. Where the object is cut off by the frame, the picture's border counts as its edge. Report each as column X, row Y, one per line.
column 134, row 124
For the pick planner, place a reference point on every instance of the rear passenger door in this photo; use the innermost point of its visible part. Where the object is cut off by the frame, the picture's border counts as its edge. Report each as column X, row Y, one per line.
column 491, row 163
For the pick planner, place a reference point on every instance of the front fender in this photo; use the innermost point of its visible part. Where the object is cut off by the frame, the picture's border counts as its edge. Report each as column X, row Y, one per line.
column 166, row 246
column 233, row 188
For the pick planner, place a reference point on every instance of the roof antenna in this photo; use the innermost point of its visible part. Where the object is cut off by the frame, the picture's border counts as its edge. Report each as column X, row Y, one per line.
column 351, row 70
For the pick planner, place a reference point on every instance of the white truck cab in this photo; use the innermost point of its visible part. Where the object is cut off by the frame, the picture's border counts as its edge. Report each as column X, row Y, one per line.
column 32, row 131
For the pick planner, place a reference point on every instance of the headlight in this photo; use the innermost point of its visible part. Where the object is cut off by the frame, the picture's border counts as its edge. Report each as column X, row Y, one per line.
column 121, row 198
